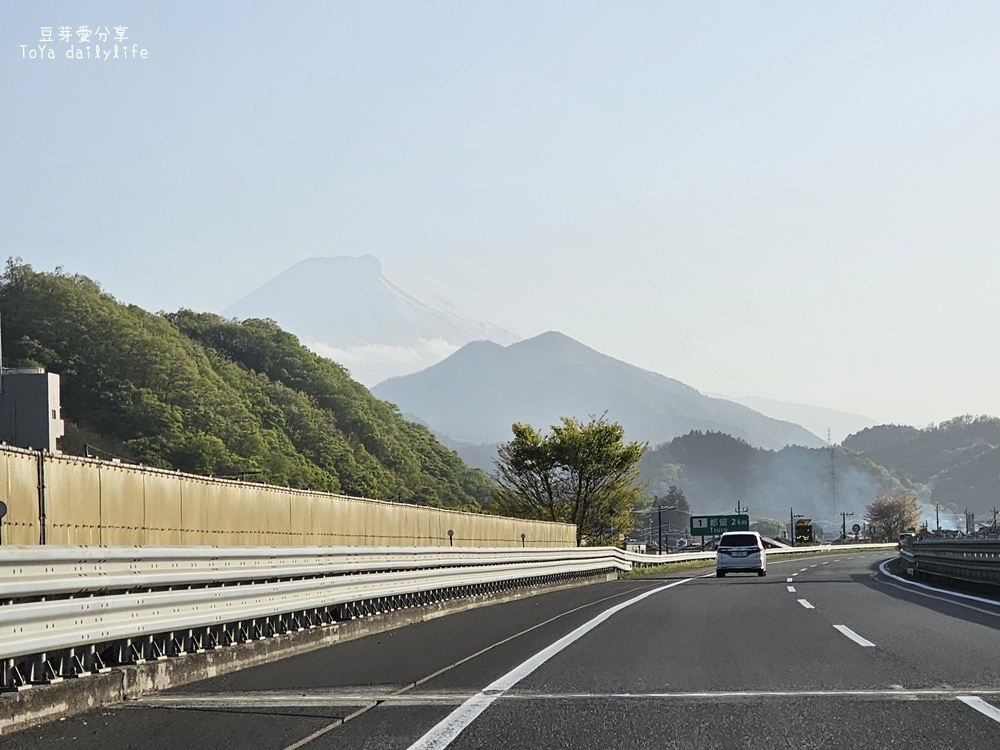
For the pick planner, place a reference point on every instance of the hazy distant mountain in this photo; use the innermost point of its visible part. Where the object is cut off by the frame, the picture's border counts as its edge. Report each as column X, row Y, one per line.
column 816, row 419
column 347, row 309
column 717, row 471
column 475, row 395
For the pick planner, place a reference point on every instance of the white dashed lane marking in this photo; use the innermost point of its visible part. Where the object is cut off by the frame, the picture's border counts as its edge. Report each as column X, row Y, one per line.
column 806, row 604
column 792, row 589
column 986, row 709
column 863, row 642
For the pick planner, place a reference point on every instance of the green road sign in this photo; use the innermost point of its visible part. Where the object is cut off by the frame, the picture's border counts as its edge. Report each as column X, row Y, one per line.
column 717, row 525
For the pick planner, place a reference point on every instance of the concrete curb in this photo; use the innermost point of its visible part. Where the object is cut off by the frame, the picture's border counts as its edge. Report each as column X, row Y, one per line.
column 46, row 703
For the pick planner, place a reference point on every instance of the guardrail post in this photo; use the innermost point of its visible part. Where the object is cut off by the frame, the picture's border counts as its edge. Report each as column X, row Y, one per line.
column 42, row 522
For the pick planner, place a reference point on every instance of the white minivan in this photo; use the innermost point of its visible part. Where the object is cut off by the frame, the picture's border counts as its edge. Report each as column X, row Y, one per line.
column 740, row 552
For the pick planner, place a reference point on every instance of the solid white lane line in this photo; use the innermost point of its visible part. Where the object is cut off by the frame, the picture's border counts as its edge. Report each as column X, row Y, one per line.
column 806, row 604
column 445, row 731
column 925, row 587
column 792, row 589
column 399, row 691
column 300, row 699
column 863, row 642
column 986, row 709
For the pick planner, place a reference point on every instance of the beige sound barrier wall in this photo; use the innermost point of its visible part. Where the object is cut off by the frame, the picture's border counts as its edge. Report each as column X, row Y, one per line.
column 93, row 502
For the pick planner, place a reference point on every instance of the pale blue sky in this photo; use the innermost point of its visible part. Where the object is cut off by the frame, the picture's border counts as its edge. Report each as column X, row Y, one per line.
column 785, row 199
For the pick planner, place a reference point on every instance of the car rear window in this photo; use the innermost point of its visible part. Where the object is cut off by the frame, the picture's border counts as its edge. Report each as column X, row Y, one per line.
column 738, row 540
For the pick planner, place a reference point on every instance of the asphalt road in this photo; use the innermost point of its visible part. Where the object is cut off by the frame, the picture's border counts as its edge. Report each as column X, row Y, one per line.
column 840, row 656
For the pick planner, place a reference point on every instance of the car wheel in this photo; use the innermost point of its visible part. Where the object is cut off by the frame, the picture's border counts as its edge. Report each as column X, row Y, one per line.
column 761, row 572
column 720, row 574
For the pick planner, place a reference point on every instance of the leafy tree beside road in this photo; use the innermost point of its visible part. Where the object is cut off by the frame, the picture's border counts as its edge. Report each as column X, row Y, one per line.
column 889, row 515
column 770, row 527
column 582, row 473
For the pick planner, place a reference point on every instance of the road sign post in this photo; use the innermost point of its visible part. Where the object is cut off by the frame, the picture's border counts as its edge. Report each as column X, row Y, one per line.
column 803, row 531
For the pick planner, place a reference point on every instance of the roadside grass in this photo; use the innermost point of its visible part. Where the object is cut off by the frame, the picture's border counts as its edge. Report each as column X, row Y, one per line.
column 666, row 568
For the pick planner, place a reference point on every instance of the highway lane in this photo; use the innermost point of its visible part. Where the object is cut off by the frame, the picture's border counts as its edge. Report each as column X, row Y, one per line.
column 707, row 662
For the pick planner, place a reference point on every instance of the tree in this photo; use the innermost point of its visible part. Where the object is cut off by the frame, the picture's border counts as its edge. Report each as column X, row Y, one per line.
column 196, row 392
column 891, row 514
column 679, row 513
column 770, row 527
column 585, row 474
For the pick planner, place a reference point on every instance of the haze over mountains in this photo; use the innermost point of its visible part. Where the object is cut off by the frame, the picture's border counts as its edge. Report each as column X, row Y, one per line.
column 348, row 310
column 816, row 419
column 475, row 395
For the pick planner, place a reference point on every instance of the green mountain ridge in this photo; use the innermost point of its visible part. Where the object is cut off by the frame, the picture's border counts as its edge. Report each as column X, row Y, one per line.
column 958, row 460
column 199, row 393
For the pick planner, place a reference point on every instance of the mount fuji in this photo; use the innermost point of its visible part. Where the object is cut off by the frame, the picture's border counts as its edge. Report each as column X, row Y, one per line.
column 349, row 310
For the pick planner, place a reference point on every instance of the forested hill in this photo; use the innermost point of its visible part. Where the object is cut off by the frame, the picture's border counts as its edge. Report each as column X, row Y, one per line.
column 958, row 459
column 717, row 471
column 203, row 394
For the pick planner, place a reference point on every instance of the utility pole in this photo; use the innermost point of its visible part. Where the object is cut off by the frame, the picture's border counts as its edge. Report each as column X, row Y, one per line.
column 659, row 528
column 833, row 471
column 659, row 518
column 937, row 517
column 843, row 525
column 740, row 509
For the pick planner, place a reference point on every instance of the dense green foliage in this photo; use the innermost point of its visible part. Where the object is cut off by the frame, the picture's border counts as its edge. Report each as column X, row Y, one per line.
column 203, row 394
column 579, row 473
column 921, row 454
column 769, row 527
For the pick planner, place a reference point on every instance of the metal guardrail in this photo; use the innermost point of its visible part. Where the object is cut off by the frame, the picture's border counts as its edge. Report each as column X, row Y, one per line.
column 644, row 560
column 69, row 611
column 969, row 560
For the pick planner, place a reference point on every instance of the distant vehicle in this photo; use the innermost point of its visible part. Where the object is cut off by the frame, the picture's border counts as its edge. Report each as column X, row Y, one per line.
column 740, row 552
